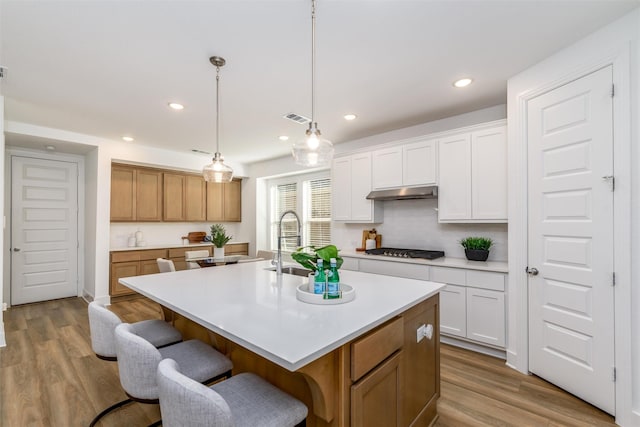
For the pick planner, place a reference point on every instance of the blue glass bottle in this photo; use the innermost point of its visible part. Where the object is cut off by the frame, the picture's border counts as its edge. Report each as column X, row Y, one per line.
column 333, row 280
column 320, row 279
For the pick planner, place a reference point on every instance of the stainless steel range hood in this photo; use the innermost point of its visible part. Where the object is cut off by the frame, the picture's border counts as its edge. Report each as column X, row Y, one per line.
column 405, row 193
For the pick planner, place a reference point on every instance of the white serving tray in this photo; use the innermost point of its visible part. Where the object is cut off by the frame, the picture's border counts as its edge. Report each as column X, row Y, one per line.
column 303, row 294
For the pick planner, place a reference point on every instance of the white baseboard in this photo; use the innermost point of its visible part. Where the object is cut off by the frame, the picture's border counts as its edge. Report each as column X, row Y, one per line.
column 3, row 342
column 478, row 348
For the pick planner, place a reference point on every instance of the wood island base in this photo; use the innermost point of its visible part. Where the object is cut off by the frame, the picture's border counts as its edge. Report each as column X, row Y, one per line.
column 386, row 377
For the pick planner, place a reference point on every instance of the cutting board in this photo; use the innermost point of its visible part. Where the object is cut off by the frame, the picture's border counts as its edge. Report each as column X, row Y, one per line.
column 365, row 236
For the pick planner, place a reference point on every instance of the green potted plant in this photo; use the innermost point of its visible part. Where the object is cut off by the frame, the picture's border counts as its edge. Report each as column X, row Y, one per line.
column 307, row 256
column 219, row 238
column 476, row 248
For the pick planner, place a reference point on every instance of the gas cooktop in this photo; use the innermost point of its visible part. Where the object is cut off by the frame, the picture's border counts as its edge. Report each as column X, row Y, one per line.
column 405, row 253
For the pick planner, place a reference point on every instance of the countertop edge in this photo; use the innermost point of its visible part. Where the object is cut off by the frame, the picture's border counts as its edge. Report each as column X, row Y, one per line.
column 168, row 246
column 448, row 262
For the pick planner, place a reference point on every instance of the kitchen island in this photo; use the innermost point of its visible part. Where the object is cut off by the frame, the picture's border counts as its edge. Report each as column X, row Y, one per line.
column 366, row 362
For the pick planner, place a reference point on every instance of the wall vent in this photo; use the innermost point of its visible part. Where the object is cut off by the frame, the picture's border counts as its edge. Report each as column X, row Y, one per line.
column 297, row 118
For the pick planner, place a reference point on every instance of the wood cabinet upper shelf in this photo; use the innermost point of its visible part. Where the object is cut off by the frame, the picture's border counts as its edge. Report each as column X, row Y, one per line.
column 140, row 194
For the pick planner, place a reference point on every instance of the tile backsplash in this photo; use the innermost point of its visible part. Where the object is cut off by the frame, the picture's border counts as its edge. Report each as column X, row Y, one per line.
column 414, row 224
column 162, row 233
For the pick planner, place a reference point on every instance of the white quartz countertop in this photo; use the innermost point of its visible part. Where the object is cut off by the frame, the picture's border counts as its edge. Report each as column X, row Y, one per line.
column 253, row 307
column 497, row 266
column 165, row 246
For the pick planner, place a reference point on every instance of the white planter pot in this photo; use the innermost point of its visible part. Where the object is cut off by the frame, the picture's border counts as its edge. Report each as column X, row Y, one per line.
column 218, row 253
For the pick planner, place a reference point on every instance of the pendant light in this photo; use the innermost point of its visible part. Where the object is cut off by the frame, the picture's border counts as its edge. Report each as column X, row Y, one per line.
column 217, row 171
column 313, row 150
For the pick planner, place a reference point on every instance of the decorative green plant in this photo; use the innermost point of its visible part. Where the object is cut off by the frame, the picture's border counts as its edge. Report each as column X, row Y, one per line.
column 477, row 243
column 308, row 256
column 219, row 236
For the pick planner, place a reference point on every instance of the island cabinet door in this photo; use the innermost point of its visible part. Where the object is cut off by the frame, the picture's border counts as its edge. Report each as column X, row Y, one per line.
column 421, row 364
column 376, row 398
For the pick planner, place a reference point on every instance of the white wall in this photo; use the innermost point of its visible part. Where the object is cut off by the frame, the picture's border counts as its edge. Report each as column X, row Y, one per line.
column 2, row 195
column 407, row 223
column 164, row 233
column 617, row 44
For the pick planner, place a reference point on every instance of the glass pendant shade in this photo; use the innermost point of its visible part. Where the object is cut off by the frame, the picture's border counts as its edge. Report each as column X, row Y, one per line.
column 217, row 171
column 313, row 150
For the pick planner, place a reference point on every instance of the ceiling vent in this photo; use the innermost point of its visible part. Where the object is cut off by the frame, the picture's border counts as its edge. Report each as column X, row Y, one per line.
column 297, row 118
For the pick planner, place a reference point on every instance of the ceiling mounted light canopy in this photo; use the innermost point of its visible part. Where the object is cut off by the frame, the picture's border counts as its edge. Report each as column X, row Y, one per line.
column 217, row 171
column 313, row 150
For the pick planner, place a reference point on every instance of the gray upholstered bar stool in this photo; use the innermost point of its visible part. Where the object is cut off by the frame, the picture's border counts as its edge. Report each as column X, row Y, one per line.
column 138, row 363
column 102, row 324
column 245, row 400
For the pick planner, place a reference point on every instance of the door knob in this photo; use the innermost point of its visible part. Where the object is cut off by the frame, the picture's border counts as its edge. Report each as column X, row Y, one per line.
column 532, row 271
column 16, row 249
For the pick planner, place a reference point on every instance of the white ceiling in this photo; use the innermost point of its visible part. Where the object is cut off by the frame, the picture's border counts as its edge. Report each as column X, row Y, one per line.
column 109, row 68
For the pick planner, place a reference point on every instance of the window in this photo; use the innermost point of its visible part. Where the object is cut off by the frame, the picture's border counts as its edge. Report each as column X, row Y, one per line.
column 309, row 196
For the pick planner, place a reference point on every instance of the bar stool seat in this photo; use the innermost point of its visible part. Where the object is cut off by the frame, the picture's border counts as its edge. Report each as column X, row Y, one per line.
column 244, row 400
column 138, row 363
column 102, row 324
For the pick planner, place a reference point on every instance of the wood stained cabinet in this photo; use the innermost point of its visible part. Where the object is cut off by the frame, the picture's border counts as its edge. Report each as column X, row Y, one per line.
column 395, row 374
column 132, row 263
column 136, row 194
column 184, row 197
column 224, row 201
column 147, row 195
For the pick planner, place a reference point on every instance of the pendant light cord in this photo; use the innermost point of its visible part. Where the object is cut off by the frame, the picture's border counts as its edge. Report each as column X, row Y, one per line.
column 217, row 109
column 313, row 62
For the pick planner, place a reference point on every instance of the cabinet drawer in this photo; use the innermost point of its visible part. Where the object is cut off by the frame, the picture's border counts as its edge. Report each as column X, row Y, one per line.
column 398, row 269
column 153, row 254
column 452, row 276
column 350, row 264
column 485, row 280
column 125, row 256
column 370, row 350
column 179, row 252
column 236, row 249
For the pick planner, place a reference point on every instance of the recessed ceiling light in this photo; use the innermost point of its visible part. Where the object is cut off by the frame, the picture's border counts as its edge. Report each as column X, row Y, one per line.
column 283, row 138
column 463, row 82
column 176, row 106
column 127, row 138
column 350, row 117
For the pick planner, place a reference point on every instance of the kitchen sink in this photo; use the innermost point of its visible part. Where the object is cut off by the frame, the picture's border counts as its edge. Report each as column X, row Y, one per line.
column 296, row 271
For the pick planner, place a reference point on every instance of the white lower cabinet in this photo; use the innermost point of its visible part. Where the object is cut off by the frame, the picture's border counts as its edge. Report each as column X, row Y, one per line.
column 472, row 304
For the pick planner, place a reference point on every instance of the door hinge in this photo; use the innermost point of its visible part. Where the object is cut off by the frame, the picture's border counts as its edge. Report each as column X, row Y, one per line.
column 613, row 374
column 613, row 279
column 610, row 179
column 613, row 90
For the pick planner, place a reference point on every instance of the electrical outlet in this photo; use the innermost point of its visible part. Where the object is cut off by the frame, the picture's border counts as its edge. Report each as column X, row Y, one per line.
column 420, row 333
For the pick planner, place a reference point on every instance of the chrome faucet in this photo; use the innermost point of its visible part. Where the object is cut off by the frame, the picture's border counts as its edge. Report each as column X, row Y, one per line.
column 278, row 261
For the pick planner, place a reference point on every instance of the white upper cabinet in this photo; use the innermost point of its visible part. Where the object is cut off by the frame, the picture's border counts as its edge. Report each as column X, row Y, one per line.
column 473, row 176
column 419, row 162
column 411, row 164
column 350, row 185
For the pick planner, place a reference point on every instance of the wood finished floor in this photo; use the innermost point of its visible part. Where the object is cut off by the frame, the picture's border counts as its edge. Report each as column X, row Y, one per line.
column 49, row 376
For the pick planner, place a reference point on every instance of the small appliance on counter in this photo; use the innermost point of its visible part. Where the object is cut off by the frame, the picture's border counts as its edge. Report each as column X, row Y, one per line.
column 405, row 253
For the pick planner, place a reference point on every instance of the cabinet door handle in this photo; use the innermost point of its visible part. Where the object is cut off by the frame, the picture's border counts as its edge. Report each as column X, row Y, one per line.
column 16, row 249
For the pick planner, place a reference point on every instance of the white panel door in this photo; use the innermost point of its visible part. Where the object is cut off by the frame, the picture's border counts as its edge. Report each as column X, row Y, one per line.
column 44, row 230
column 454, row 193
column 489, row 174
column 571, row 305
